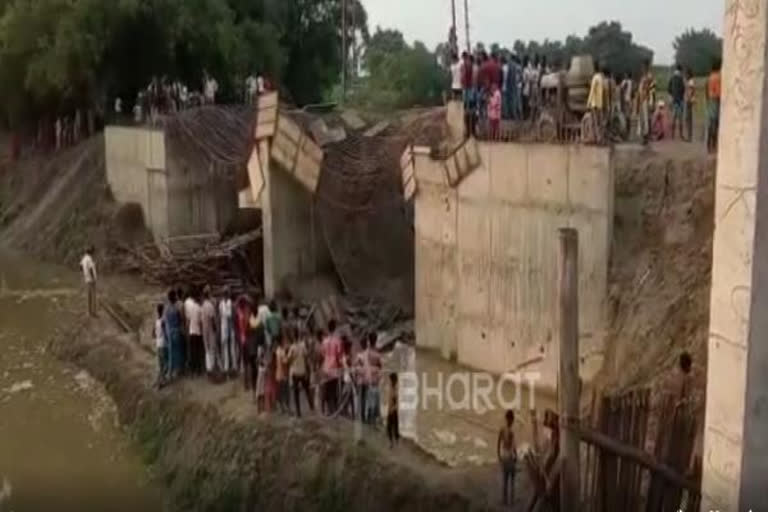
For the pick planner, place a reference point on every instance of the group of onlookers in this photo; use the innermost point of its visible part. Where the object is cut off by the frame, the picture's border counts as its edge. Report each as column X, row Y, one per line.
column 281, row 358
column 614, row 106
column 497, row 86
column 503, row 86
column 163, row 96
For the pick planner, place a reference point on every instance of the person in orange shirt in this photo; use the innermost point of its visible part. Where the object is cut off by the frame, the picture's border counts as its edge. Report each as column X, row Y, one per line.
column 713, row 106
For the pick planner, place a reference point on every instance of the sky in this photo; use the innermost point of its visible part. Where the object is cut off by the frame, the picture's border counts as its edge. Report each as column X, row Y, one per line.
column 653, row 23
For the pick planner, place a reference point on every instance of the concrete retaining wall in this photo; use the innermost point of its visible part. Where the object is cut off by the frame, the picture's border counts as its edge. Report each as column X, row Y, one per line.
column 135, row 162
column 487, row 253
column 177, row 197
column 294, row 244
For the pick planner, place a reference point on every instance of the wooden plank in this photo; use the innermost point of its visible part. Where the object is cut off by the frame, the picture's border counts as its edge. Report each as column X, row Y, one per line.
column 569, row 385
column 268, row 99
column 452, row 175
column 617, row 448
column 307, row 171
column 255, row 175
column 284, row 151
column 286, row 127
column 267, row 116
column 410, row 189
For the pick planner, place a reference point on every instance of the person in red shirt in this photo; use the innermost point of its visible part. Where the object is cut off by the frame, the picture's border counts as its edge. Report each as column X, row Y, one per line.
column 496, row 74
column 242, row 316
column 490, row 74
column 332, row 353
column 713, row 106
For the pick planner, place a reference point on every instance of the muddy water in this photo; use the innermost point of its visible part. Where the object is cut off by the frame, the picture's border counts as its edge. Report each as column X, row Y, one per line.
column 455, row 414
column 60, row 445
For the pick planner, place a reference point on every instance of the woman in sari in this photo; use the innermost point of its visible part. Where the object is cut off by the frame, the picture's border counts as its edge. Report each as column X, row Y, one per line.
column 173, row 325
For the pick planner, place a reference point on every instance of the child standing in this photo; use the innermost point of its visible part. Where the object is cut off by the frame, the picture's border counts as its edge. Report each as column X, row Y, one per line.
column 161, row 344
column 494, row 112
column 393, row 422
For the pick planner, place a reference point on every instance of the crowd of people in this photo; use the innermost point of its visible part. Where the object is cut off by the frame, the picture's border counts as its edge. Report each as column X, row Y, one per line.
column 503, row 86
column 497, row 86
column 615, row 106
column 163, row 96
column 281, row 359
column 57, row 133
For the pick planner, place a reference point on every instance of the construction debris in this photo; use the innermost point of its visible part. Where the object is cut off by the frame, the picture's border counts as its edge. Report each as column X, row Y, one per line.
column 232, row 263
column 357, row 317
column 324, row 134
column 215, row 134
column 353, row 120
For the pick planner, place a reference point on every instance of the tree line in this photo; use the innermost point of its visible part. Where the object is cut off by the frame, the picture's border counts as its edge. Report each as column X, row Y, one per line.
column 56, row 55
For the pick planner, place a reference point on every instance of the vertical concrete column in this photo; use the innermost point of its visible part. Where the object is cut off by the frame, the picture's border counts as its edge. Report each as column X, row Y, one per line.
column 268, row 234
column 736, row 433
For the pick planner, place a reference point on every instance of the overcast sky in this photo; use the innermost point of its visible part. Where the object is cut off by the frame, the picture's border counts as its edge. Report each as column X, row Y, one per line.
column 654, row 23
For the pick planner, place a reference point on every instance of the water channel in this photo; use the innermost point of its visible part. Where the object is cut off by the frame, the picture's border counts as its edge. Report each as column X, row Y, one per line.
column 61, row 447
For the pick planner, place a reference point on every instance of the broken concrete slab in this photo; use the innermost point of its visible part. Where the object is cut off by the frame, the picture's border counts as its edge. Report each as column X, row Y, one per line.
column 325, row 135
column 352, row 119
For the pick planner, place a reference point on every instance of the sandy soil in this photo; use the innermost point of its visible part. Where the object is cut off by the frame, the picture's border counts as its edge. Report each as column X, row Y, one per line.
column 661, row 265
column 55, row 206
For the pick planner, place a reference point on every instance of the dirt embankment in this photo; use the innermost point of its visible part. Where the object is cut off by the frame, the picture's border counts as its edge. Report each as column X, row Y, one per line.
column 53, row 206
column 212, row 460
column 661, row 267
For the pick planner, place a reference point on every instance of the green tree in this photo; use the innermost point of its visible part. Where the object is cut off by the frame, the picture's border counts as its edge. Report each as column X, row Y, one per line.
column 399, row 75
column 698, row 50
column 613, row 47
column 55, row 54
column 607, row 42
column 382, row 43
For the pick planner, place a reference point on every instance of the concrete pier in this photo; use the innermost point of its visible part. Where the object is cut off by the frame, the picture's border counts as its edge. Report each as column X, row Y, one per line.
column 735, row 444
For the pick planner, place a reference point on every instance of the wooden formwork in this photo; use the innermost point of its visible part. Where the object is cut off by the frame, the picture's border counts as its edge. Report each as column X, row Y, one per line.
column 634, row 457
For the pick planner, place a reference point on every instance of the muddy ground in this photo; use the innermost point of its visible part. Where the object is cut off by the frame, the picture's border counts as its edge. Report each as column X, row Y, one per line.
column 219, row 455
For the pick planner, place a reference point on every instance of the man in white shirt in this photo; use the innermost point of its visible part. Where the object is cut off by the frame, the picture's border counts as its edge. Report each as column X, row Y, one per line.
column 456, row 89
column 209, row 332
column 229, row 348
column 251, row 88
column 88, row 267
column 211, row 88
column 260, row 87
column 193, row 313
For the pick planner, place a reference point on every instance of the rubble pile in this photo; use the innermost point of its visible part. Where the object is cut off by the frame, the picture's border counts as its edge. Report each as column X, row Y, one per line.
column 360, row 316
column 194, row 261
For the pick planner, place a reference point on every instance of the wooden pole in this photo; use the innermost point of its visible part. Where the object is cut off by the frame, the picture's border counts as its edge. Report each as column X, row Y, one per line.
column 453, row 14
column 343, row 50
column 466, row 25
column 568, row 384
column 637, row 455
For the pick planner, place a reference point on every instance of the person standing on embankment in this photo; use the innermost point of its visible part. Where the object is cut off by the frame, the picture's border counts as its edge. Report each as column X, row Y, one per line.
column 173, row 321
column 88, row 266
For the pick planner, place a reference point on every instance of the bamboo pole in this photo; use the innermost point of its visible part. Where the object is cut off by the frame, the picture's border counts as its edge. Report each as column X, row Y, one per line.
column 636, row 455
column 570, row 495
